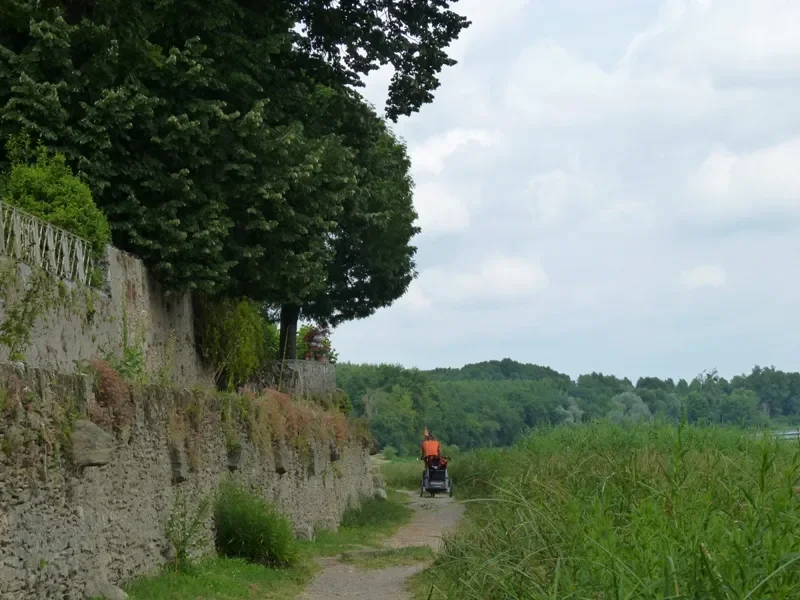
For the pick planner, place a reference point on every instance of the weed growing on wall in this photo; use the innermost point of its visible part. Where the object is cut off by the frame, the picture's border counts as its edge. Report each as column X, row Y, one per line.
column 35, row 431
column 131, row 363
column 112, row 395
column 186, row 529
column 40, row 294
column 28, row 301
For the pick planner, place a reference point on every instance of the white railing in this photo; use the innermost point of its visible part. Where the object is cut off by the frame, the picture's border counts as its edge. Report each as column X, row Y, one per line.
column 30, row 240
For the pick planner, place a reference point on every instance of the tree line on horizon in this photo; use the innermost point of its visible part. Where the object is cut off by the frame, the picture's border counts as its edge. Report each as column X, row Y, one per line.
column 493, row 403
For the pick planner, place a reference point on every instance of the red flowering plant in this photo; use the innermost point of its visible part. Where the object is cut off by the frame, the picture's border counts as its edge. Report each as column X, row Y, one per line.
column 315, row 344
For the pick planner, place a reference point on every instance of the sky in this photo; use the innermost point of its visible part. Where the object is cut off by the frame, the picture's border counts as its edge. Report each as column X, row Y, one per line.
column 605, row 185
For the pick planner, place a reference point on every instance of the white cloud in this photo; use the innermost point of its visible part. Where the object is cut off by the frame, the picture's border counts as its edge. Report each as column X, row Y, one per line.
column 489, row 19
column 499, row 278
column 703, row 276
column 430, row 156
column 441, row 210
column 564, row 136
column 415, row 299
column 579, row 195
column 720, row 39
column 552, row 87
column 729, row 187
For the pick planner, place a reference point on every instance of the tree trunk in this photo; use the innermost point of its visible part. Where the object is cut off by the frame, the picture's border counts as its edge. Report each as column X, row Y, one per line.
column 290, row 313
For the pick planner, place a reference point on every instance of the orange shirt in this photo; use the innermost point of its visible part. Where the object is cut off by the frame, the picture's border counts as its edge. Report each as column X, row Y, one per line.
column 430, row 448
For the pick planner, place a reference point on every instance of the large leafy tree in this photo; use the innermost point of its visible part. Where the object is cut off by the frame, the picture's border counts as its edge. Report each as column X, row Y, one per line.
column 187, row 118
column 367, row 256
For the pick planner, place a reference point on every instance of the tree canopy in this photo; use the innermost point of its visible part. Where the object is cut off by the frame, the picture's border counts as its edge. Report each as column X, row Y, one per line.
column 226, row 141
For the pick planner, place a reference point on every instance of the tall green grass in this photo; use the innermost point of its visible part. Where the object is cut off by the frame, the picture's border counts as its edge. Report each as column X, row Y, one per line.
column 403, row 474
column 248, row 527
column 604, row 512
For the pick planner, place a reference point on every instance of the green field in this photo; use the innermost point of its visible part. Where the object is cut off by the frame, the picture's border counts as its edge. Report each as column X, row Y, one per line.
column 606, row 512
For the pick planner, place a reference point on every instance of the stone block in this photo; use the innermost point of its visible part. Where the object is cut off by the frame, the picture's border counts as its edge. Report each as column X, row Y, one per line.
column 91, row 446
column 283, row 458
column 179, row 463
column 100, row 589
column 304, row 532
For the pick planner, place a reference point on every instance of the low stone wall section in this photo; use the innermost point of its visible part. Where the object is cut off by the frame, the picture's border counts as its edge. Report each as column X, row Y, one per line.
column 300, row 378
column 80, row 504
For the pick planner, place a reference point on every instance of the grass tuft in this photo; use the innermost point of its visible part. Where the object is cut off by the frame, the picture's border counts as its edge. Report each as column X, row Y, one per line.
column 224, row 579
column 247, row 527
column 403, row 474
column 391, row 557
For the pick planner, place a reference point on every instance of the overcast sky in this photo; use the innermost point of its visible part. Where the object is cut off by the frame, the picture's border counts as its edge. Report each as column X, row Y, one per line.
column 605, row 185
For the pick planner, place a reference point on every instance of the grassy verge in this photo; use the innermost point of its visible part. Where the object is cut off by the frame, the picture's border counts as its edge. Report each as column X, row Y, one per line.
column 224, row 579
column 643, row 512
column 391, row 557
column 365, row 527
column 233, row 579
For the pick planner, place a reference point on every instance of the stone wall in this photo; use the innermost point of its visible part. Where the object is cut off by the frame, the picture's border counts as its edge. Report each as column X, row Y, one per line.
column 80, row 504
column 86, row 323
column 300, row 378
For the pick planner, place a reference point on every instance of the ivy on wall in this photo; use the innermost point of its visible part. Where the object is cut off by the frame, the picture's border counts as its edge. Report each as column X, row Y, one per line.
column 24, row 302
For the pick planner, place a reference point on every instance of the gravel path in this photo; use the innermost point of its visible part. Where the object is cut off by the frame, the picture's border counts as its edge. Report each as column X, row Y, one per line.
column 432, row 518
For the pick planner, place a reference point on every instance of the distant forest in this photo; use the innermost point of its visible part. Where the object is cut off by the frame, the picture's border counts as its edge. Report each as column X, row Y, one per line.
column 493, row 403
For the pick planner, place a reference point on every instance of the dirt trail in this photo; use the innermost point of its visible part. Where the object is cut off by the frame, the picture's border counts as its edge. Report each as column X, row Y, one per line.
column 432, row 518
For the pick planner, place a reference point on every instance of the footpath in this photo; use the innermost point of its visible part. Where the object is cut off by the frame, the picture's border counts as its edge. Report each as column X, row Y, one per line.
column 431, row 519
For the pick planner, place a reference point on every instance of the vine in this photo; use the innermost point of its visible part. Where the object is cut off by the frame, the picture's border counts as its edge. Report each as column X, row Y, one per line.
column 40, row 294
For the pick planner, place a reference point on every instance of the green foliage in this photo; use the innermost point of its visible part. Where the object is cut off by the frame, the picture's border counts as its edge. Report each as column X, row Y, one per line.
column 403, row 475
column 40, row 294
column 235, row 338
column 186, row 530
column 130, row 362
column 644, row 511
column 495, row 403
column 304, row 348
column 342, row 402
column 40, row 183
column 389, row 452
column 373, row 259
column 220, row 578
column 212, row 135
column 373, row 511
column 247, row 527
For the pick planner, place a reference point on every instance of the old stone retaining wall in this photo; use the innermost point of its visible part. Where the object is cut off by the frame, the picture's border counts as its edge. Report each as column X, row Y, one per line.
column 85, row 323
column 81, row 504
column 300, row 378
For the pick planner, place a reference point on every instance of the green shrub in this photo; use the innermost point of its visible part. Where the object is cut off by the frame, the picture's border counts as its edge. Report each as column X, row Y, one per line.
column 40, row 183
column 389, row 452
column 235, row 338
column 247, row 527
column 342, row 402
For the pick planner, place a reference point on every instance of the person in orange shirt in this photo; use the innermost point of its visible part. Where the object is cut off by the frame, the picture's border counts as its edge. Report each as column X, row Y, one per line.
column 430, row 447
